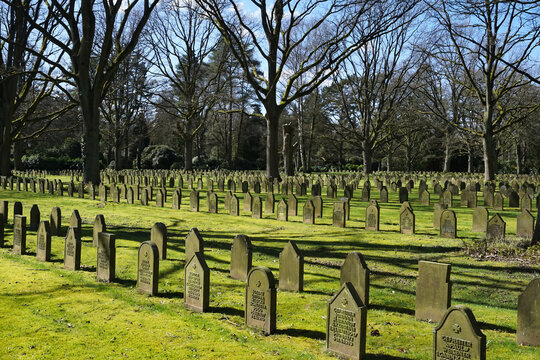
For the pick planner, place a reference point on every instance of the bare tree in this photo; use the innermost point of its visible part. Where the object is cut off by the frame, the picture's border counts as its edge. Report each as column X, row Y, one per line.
column 280, row 27
column 491, row 41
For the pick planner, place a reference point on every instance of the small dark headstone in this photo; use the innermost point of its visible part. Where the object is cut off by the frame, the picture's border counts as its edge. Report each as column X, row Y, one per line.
column 148, row 268
column 241, row 256
column 75, row 222
column 433, row 290
column 193, row 243
column 346, row 324
column 291, row 268
column 106, row 257
column 197, row 284
column 513, row 199
column 403, row 194
column 448, row 227
column 384, row 195
column 99, row 226
column 4, row 210
column 43, row 243
column 496, row 228
column 261, row 300
column 458, row 336
column 17, row 208
column 528, row 317
column 72, row 250
column 56, row 221
column 19, row 234
column 158, row 235
column 355, row 271
column 35, row 218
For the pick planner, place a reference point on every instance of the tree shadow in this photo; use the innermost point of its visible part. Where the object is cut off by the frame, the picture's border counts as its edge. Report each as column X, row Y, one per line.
column 126, row 282
column 488, row 326
column 391, row 309
column 171, row 295
column 226, row 310
column 312, row 334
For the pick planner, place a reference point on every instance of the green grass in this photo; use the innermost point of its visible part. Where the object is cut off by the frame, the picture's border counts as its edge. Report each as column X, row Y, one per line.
column 48, row 312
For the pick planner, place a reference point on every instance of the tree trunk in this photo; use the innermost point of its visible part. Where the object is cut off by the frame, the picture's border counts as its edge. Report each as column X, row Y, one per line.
column 446, row 164
column 490, row 156
column 288, row 149
column 518, row 158
column 17, row 155
column 469, row 160
column 117, row 152
column 188, row 153
column 272, row 149
column 5, row 147
column 367, row 156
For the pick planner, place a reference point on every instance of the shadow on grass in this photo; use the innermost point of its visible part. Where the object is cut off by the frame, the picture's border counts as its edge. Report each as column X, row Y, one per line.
column 226, row 310
column 312, row 334
column 126, row 282
column 488, row 326
column 171, row 295
column 391, row 309
column 384, row 357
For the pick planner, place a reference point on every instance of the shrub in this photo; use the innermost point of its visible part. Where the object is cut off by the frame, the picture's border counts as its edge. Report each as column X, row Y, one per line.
column 158, row 157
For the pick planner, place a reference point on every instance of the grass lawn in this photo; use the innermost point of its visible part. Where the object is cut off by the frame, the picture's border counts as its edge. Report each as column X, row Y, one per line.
column 47, row 312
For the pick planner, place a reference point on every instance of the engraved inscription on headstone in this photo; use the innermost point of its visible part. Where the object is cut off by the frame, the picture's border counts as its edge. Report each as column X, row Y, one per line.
column 197, row 284
column 261, row 300
column 148, row 268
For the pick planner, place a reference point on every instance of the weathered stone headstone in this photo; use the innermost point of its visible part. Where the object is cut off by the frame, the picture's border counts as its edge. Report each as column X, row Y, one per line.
column 384, row 195
column 496, row 228
column 308, row 215
column 448, row 228
column 318, row 206
column 525, row 225
column 528, row 317
column 480, row 219
column 372, row 216
column 366, row 192
column 148, row 268
column 355, row 271
column 339, row 214
column 43, row 243
column 406, row 221
column 160, row 198
column 292, row 205
column 261, row 300
column 346, row 324
column 241, row 257
column 177, row 198
column 4, row 210
column 526, row 202
column 193, row 243
column 256, row 209
column 331, row 191
column 197, row 284
column 35, row 217
column 99, row 226
column 248, row 201
column 194, row 200
column 433, row 290
column 158, row 235
column 72, row 250
column 437, row 211
column 458, row 336
column 425, row 198
column 446, row 198
column 269, row 203
column 213, row 203
column 75, row 222
column 17, row 208
column 19, row 234
column 234, row 205
column 498, row 202
column 56, row 221
column 513, row 199
column 291, row 268
column 403, row 194
column 106, row 257
column 282, row 210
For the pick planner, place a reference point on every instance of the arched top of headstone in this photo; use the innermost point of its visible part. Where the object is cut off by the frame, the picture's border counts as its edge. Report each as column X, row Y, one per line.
column 261, row 277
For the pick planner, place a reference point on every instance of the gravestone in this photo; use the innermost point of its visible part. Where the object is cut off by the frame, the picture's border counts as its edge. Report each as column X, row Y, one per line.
column 197, row 284
column 212, row 203
column 193, row 243
column 227, row 201
column 446, row 198
column 525, row 225
column 528, row 317
column 99, row 226
column 292, row 204
column 403, row 194
column 4, row 210
column 308, row 216
column 406, row 221
column 130, row 196
column 282, row 210
column 241, row 257
column 472, row 199
column 19, row 234
column 17, row 208
column 339, row 214
column 234, row 206
column 177, row 198
column 261, row 300
column 256, row 209
column 291, row 268
column 448, row 228
column 346, row 324
column 331, row 191
column 372, row 216
column 526, row 202
column 405, row 204
column 148, row 268
column 433, row 290
column 437, row 211
column 458, row 336
column 160, row 198
column 248, row 202
column 355, row 271
column 158, row 235
column 75, row 222
column 43, row 243
column 384, row 195
column 513, row 199
column 318, row 206
column 194, row 200
column 366, row 191
column 35, row 218
column 496, row 228
column 269, row 203
column 72, row 250
column 2, row 225
column 106, row 257
column 480, row 219
column 425, row 198
column 498, row 202
column 488, row 196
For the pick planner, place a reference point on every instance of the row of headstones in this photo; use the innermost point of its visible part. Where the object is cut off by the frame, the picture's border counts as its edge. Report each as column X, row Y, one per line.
column 346, row 310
